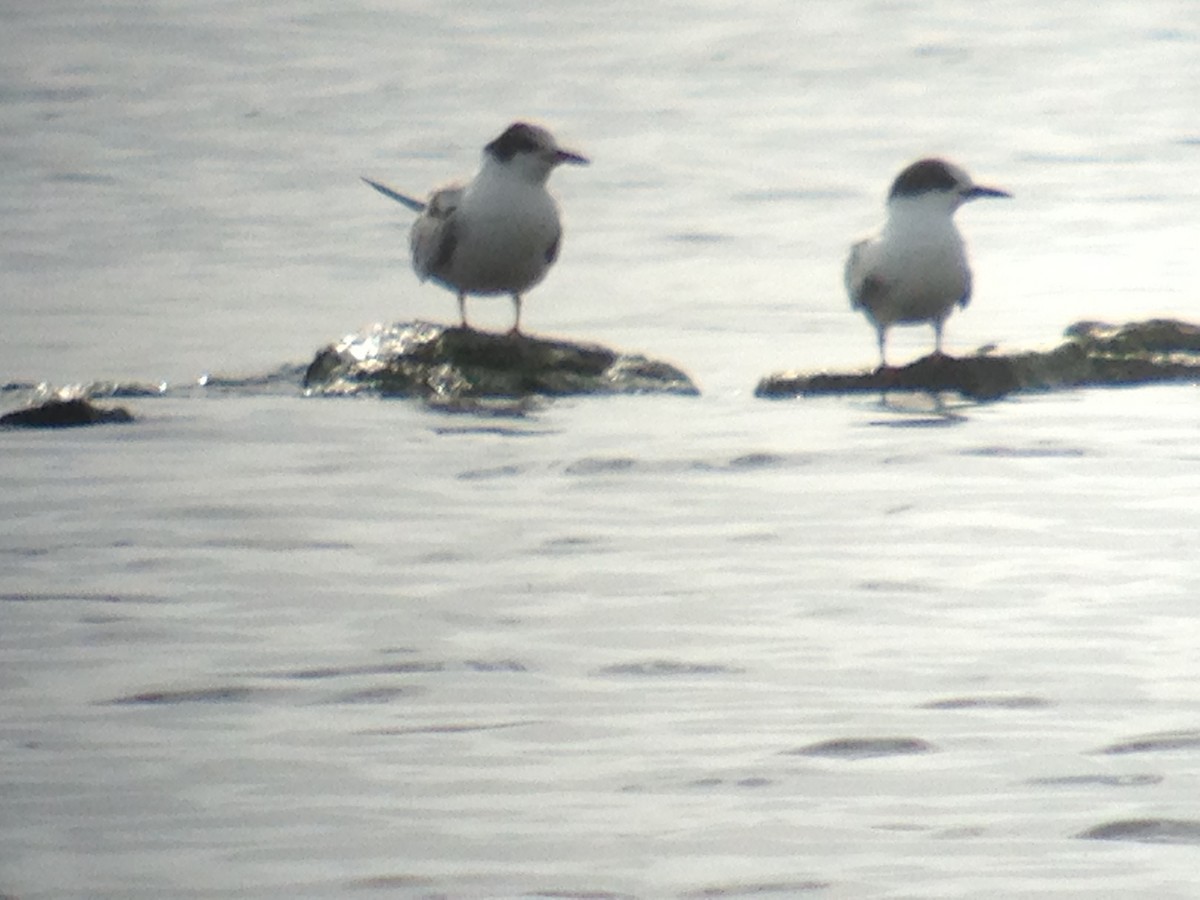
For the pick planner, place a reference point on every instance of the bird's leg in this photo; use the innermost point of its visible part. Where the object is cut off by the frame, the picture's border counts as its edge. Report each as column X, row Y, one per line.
column 881, row 339
column 516, row 329
column 938, row 324
column 462, row 310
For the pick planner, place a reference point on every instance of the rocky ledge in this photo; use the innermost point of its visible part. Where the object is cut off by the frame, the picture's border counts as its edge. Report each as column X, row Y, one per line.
column 449, row 365
column 67, row 412
column 1093, row 354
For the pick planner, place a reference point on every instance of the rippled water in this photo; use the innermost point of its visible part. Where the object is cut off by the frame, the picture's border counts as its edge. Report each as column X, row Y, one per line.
column 261, row 646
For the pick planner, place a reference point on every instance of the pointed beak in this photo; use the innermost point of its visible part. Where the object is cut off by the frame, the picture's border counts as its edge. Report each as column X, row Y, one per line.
column 566, row 156
column 977, row 190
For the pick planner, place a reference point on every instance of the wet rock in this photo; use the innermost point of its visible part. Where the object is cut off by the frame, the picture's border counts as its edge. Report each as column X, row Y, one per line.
column 65, row 413
column 449, row 364
column 1093, row 354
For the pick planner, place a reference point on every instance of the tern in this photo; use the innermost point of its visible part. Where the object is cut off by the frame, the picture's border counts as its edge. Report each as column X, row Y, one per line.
column 915, row 268
column 498, row 233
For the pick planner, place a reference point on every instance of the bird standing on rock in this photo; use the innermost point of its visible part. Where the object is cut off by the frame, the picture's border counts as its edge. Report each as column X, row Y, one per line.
column 498, row 233
column 915, row 268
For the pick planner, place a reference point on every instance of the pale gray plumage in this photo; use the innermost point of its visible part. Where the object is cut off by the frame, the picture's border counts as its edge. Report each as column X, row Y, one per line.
column 915, row 268
column 499, row 233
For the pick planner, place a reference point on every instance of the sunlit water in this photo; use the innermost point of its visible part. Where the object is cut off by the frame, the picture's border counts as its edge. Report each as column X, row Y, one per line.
column 258, row 645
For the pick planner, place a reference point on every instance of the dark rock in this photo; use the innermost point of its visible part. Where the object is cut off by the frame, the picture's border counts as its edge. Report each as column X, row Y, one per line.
column 1093, row 354
column 65, row 414
column 451, row 364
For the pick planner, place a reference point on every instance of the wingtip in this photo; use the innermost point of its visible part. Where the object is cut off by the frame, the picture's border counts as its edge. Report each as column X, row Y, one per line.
column 403, row 199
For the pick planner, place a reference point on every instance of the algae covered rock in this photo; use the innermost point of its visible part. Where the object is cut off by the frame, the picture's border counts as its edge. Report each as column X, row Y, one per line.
column 445, row 364
column 1093, row 354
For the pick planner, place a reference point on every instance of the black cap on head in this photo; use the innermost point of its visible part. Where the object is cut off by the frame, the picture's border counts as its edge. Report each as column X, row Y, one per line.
column 519, row 137
column 927, row 175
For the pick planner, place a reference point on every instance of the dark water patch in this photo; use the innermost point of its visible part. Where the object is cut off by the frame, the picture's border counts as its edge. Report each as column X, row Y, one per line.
column 781, row 195
column 448, row 728
column 490, row 473
column 487, row 407
column 104, row 619
column 749, row 782
column 1069, row 159
column 1146, row 831
column 391, row 883
column 754, row 537
column 864, row 748
column 396, row 668
column 1015, row 701
column 758, row 889
column 1040, row 452
column 220, row 694
column 376, row 695
column 211, row 512
column 497, row 665
column 273, row 545
column 600, row 465
column 752, row 461
column 665, row 668
column 1156, row 743
column 440, row 557
column 571, row 544
column 948, row 52
column 756, row 461
column 915, row 421
column 53, row 597
column 895, row 587
column 492, row 430
column 1170, row 35
column 1097, row 780
column 85, row 178
column 30, row 94
column 699, row 237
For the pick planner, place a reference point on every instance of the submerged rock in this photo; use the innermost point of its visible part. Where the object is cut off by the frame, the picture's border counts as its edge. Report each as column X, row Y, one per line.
column 1093, row 354
column 65, row 413
column 450, row 364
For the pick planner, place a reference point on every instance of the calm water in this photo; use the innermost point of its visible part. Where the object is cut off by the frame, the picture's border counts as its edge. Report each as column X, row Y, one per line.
column 264, row 646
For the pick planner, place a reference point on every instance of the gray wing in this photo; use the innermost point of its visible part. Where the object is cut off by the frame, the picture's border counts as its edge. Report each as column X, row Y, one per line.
column 966, row 297
column 436, row 233
column 411, row 202
column 552, row 250
column 864, row 289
